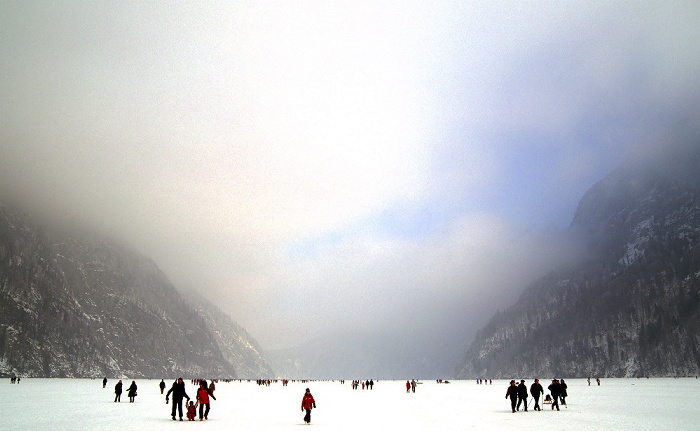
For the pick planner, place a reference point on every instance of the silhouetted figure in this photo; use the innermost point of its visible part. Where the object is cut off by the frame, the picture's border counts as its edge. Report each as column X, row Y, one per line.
column 522, row 395
column 118, row 392
column 131, row 392
column 536, row 390
column 104, row 382
column 512, row 393
column 178, row 391
column 555, row 390
column 161, row 386
column 563, row 394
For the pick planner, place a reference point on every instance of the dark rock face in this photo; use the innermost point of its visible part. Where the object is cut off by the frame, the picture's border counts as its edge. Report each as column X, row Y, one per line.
column 632, row 308
column 83, row 306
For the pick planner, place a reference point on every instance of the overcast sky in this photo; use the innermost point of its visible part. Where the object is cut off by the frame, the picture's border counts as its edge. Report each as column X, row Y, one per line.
column 309, row 165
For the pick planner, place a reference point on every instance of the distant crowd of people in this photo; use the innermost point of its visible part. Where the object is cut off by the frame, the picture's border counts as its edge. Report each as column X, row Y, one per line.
column 367, row 384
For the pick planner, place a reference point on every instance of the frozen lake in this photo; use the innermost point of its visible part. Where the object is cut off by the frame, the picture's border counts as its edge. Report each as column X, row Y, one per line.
column 618, row 404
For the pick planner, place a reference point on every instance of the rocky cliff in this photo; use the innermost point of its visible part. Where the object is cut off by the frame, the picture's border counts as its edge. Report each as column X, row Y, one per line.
column 79, row 305
column 632, row 308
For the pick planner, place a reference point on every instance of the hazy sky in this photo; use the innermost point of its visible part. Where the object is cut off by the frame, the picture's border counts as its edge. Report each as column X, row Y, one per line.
column 315, row 164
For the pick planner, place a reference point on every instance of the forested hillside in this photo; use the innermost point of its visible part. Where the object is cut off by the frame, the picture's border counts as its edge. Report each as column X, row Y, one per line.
column 632, row 308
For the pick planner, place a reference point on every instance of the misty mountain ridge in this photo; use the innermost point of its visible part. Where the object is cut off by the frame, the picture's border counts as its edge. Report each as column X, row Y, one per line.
column 632, row 308
column 80, row 305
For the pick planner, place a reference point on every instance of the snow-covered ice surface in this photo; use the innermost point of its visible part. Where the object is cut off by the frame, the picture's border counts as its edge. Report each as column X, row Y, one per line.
column 618, row 404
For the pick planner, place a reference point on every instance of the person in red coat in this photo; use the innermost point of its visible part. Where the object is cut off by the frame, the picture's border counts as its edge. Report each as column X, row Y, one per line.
column 307, row 403
column 191, row 411
column 203, row 395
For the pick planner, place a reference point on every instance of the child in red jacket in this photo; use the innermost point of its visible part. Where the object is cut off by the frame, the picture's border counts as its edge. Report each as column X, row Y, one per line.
column 191, row 411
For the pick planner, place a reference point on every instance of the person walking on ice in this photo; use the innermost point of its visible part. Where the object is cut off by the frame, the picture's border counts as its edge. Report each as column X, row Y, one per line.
column 307, row 403
column 203, row 396
column 536, row 390
column 522, row 395
column 118, row 392
column 555, row 390
column 178, row 391
column 512, row 393
column 562, row 392
column 132, row 391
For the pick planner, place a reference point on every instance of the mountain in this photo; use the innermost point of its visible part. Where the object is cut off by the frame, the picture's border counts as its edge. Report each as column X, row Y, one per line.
column 80, row 305
column 237, row 345
column 632, row 307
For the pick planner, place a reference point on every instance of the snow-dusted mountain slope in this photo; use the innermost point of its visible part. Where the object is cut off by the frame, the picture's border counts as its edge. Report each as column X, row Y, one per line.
column 81, row 305
column 632, row 308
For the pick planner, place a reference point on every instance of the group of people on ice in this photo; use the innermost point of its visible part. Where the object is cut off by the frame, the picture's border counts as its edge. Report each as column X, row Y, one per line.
column 369, row 384
column 518, row 394
column 204, row 392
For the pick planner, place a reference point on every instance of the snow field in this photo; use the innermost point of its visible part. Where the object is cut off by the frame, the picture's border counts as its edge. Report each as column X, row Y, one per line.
column 619, row 404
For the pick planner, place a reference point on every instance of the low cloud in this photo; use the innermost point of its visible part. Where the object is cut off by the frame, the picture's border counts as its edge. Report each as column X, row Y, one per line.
column 317, row 166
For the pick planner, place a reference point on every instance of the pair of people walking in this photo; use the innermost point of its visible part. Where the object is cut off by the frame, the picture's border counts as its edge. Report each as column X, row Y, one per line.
column 131, row 392
column 513, row 393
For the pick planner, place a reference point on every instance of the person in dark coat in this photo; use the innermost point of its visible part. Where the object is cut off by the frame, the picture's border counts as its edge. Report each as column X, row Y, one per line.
column 161, row 386
column 118, row 392
column 131, row 392
column 307, row 403
column 512, row 392
column 555, row 389
column 536, row 390
column 104, row 382
column 178, row 391
column 522, row 395
column 563, row 393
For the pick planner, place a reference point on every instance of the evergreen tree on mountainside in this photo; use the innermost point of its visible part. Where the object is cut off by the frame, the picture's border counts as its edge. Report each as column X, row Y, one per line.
column 632, row 308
